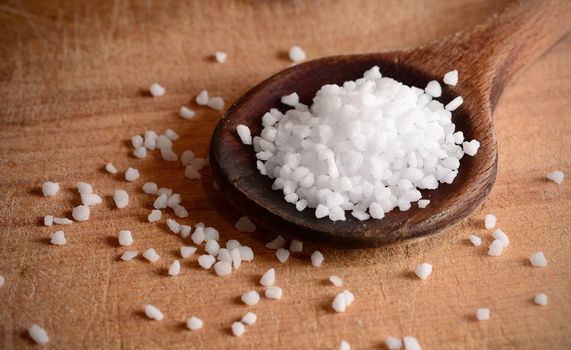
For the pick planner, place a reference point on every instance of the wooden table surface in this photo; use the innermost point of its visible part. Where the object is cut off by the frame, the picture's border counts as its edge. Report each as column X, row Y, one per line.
column 73, row 81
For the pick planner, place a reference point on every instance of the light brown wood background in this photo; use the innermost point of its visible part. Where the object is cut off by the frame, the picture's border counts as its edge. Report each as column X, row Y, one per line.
column 73, row 76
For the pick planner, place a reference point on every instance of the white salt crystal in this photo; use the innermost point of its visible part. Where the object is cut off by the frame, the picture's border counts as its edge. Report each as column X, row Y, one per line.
column 393, row 343
column 433, row 88
column 220, row 56
column 317, row 258
column 344, row 345
column 154, row 216
column 216, row 103
column 211, row 233
column 212, row 247
column 150, row 140
column 238, row 329
column 137, row 141
column 206, row 261
column 337, row 282
column 483, row 314
column 296, row 246
column 84, row 188
column 191, row 173
column 186, row 157
column 161, row 202
column 250, row 298
column 410, row 343
column 454, row 104
column 150, row 188
column 168, row 154
column 186, row 113
column 282, row 255
column 48, row 220
column 246, row 253
column 153, row 312
column 131, row 174
column 38, row 334
column 62, row 221
column 156, row 90
column 342, row 301
column 540, row 299
column 125, row 238
column 50, row 188
column 194, row 323
column 273, row 292
column 121, row 198
column 185, row 231
column 223, row 268
column 91, row 199
column 180, row 211
column 500, row 235
column 476, row 241
column 490, row 221
column 451, row 78
column 140, row 152
column 290, row 100
column 471, row 148
column 171, row 134
column 236, row 258
column 496, row 248
column 224, row 255
column 165, row 191
column 151, row 255
column 244, row 224
column 81, row 213
column 268, row 278
column 250, row 318
column 202, row 98
column 244, row 133
column 58, row 238
column 296, row 54
column 110, row 168
column 277, row 243
column 186, row 252
column 556, row 176
column 538, row 259
column 128, row 255
column 198, row 236
column 174, row 269
column 231, row 244
column 423, row 270
column 173, row 226
column 423, row 203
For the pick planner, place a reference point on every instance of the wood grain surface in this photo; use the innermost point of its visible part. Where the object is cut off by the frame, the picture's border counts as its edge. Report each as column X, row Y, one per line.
column 73, row 82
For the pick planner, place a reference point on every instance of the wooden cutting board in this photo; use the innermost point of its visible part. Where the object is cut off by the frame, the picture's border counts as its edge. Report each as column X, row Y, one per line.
column 73, row 82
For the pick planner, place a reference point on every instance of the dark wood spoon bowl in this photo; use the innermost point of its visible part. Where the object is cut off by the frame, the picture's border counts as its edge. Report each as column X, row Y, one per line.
column 486, row 57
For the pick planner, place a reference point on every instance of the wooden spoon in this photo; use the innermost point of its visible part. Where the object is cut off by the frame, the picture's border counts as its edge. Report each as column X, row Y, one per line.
column 486, row 57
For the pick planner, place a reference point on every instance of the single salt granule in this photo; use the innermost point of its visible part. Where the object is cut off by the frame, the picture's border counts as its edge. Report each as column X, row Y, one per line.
column 344, row 345
column 471, row 148
column 238, row 329
column 153, row 312
column 150, row 140
column 220, row 56
column 296, row 54
column 290, row 100
column 540, row 299
column 268, row 278
column 433, row 88
column 231, row 244
column 490, row 221
column 186, row 252
column 155, row 215
column 556, row 176
column 454, row 104
column 91, row 199
column 250, row 298
column 81, row 213
column 423, row 203
column 129, row 255
column 410, row 343
column 223, row 268
column 110, row 168
column 337, row 282
column 296, row 246
column 140, row 152
column 236, row 258
column 216, row 103
column 180, row 211
column 500, row 235
column 538, row 259
column 185, row 231
column 202, row 98
column 58, row 238
column 84, row 188
column 173, row 226
column 150, row 188
column 187, row 157
column 151, row 255
column 174, row 200
column 137, row 141
column 250, row 318
column 161, row 202
column 393, row 343
column 475, row 240
column 186, row 113
column 156, row 90
column 451, row 78
column 423, row 270
column 244, row 133
column 483, row 314
column 198, row 235
column 282, row 255
column 244, row 224
column 246, row 253
column 121, row 198
column 194, row 323
column 277, row 243
column 171, row 134
column 48, row 220
column 212, row 247
column 174, row 269
column 132, row 174
column 206, row 261
column 50, row 188
column 342, row 301
column 496, row 248
column 125, row 238
column 317, row 258
column 62, row 221
column 273, row 292
column 38, row 334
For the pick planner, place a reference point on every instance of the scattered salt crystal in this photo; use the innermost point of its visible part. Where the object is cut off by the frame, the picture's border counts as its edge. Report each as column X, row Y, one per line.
column 165, row 191
column 185, row 231
column 238, row 329
column 423, row 270
column 110, row 168
column 451, row 78
column 337, row 282
column 202, row 98
column 194, row 323
column 168, row 154
column 137, row 141
column 393, row 343
column 50, row 188
column 91, row 199
column 423, row 203
column 250, row 298
column 171, row 134
column 496, row 248
column 191, row 173
column 156, row 90
column 296, row 54
column 140, row 152
column 231, row 244
column 282, row 255
column 277, row 243
column 244, row 133
column 150, row 140
column 62, row 221
column 163, row 142
column 174, row 269
column 216, row 103
column 268, row 278
column 410, row 343
column 250, row 318
column 540, row 299
column 212, row 247
column 556, row 176
column 538, row 259
column 186, row 113
column 344, row 345
column 128, row 255
column 296, row 246
column 433, row 88
column 273, row 292
column 483, row 314
column 81, row 213
column 236, row 258
column 342, row 301
column 154, row 216
column 131, row 174
column 290, row 100
column 500, row 235
column 151, row 255
column 173, row 226
column 38, row 334
column 161, row 202
column 121, row 198
column 187, row 157
column 223, row 268
column 125, row 238
column 58, row 238
column 84, row 188
column 150, row 188
column 186, row 252
column 471, row 148
column 490, row 221
column 476, row 241
column 246, row 253
column 153, row 312
column 244, row 224
column 198, row 236
column 454, row 104
column 206, row 261
column 48, row 220
column 180, row 211
column 220, row 56
column 317, row 258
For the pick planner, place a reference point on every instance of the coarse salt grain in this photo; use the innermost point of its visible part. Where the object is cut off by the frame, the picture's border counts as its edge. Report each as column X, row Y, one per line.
column 151, row 255
column 84, row 188
column 223, row 268
column 246, row 253
column 475, row 240
column 268, row 278
column 156, row 90
column 231, row 244
column 180, row 211
column 216, row 103
column 150, row 140
column 125, row 238
column 273, row 292
column 153, row 312
column 483, row 314
column 191, row 173
column 282, row 255
column 206, row 261
column 423, row 203
column 236, row 258
column 344, row 345
column 38, row 334
column 296, row 54
column 220, row 56
column 110, row 168
column 238, row 329
column 194, row 323
column 556, row 176
column 186, row 113
column 337, row 282
column 277, row 243
column 538, row 259
column 423, row 270
column 174, row 200
column 186, row 252
column 121, row 198
column 58, row 238
column 250, row 298
column 132, row 174
column 490, row 221
column 150, row 188
column 198, row 236
column 496, row 248
column 48, row 220
column 185, row 231
column 540, row 299
column 174, row 269
column 173, row 226
column 212, row 247
column 433, row 88
column 137, row 141
column 290, row 100
column 471, row 148
column 81, row 213
column 451, row 78
column 62, row 221
column 411, row 343
column 500, row 235
column 140, row 152
column 250, row 318
column 393, row 343
column 171, row 134
column 155, row 215
column 317, row 258
column 50, row 188
column 454, row 104
column 296, row 246
column 129, row 255
column 211, row 233
column 342, row 301
column 244, row 134
column 202, row 98
column 244, row 224
column 91, row 199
